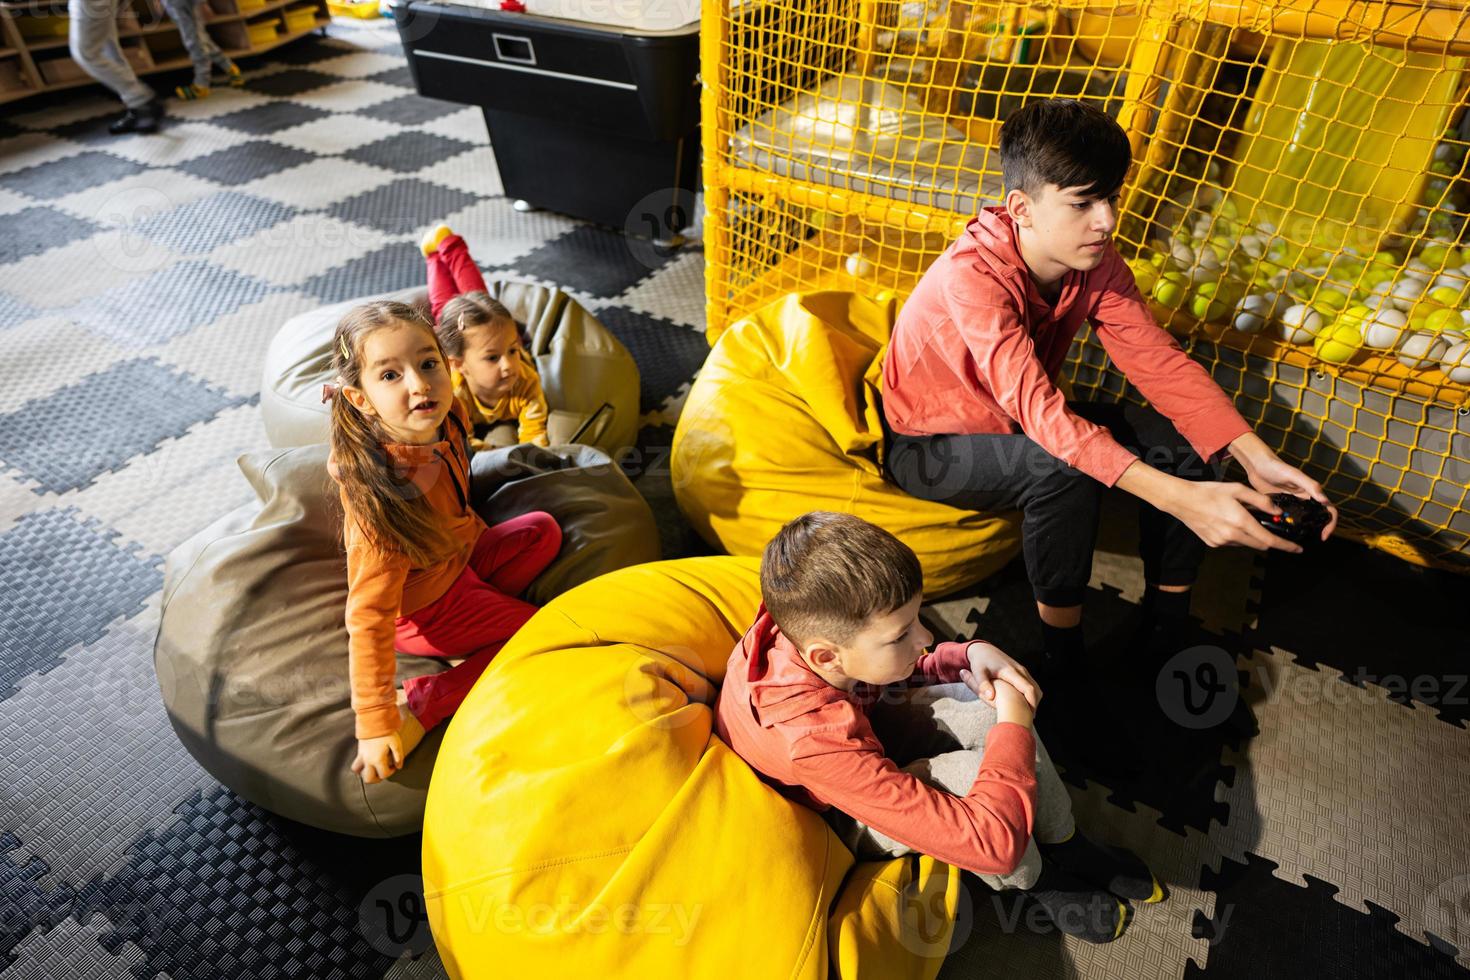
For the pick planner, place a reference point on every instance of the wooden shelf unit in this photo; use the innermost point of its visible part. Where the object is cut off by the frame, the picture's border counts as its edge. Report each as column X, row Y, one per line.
column 149, row 40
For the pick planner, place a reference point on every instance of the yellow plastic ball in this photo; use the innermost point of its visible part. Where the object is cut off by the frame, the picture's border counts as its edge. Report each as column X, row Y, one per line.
column 1338, row 342
column 1171, row 289
column 1441, row 320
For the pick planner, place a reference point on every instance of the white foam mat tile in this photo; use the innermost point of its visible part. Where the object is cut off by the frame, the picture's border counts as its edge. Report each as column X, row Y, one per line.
column 230, row 351
column 34, row 149
column 358, row 64
column 473, row 170
column 128, row 202
column 179, row 144
column 318, row 183
column 51, row 280
column 350, row 95
column 1366, row 794
column 293, row 251
column 31, row 367
column 335, row 134
column 467, row 124
column 160, row 499
column 10, row 202
column 222, row 101
column 497, row 233
column 674, row 292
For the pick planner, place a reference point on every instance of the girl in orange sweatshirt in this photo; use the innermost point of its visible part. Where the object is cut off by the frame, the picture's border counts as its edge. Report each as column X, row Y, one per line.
column 425, row 575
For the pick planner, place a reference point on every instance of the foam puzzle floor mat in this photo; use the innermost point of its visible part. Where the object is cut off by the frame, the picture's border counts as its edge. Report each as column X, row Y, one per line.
column 142, row 277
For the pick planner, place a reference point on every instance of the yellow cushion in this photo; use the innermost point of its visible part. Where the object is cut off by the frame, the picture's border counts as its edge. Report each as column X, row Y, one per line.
column 784, row 419
column 584, row 820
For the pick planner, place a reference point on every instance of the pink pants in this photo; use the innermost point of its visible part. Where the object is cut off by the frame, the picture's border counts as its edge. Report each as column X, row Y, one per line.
column 452, row 271
column 478, row 613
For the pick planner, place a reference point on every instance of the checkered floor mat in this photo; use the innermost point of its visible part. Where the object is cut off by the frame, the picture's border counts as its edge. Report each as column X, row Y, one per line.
column 141, row 278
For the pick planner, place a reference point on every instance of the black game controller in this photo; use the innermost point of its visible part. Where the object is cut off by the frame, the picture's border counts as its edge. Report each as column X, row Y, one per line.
column 1301, row 519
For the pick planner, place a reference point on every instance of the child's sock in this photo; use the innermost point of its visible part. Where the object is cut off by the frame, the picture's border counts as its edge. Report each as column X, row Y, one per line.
column 1076, row 907
column 433, row 238
column 191, row 92
column 1113, row 868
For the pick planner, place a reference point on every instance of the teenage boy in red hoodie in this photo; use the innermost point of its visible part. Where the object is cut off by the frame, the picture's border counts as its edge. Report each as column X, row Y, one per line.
column 976, row 420
column 832, row 698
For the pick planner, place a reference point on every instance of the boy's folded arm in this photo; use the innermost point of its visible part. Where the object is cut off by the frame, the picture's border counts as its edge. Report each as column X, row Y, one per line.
column 984, row 831
column 374, row 597
column 1152, row 360
column 1006, row 359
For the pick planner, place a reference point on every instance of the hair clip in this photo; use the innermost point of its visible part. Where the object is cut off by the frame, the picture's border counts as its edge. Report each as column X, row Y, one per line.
column 328, row 390
column 346, row 351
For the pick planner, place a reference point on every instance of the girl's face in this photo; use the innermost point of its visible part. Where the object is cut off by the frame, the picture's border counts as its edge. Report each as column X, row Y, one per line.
column 404, row 383
column 492, row 359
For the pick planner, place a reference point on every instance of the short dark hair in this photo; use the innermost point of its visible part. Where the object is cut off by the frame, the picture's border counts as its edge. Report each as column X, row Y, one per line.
column 1064, row 142
column 824, row 574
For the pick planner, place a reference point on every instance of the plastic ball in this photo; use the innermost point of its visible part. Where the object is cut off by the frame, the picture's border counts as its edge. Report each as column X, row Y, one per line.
column 1455, row 362
column 1338, row 342
column 858, row 266
column 1254, row 313
column 1422, row 350
column 1385, row 329
column 1442, row 320
column 1300, row 323
column 1171, row 289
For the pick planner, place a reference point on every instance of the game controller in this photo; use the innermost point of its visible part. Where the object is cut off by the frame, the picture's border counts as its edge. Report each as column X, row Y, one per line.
column 1301, row 519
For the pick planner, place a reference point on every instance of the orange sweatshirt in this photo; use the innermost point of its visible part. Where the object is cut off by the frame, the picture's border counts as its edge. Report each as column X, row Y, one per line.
column 383, row 585
column 813, row 742
column 525, row 403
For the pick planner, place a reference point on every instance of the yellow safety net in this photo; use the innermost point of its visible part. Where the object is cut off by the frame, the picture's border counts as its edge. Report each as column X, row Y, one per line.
column 1297, row 209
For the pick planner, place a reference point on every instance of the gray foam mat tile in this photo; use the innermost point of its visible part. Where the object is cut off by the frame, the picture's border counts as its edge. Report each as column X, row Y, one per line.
column 1346, row 786
column 62, row 581
column 105, row 771
column 155, row 308
column 68, row 438
column 72, row 950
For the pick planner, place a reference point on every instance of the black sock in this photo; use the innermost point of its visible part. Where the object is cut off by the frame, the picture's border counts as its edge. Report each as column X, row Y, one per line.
column 1166, row 608
column 1062, row 643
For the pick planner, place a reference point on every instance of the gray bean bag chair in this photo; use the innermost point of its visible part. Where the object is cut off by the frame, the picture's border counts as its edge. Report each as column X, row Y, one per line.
column 582, row 365
column 251, row 653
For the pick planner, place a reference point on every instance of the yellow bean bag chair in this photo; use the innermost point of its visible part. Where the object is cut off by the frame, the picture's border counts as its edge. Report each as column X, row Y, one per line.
column 784, row 418
column 585, row 821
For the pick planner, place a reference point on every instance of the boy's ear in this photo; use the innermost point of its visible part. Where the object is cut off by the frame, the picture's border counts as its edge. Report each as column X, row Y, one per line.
column 1018, row 206
column 358, row 400
column 820, row 653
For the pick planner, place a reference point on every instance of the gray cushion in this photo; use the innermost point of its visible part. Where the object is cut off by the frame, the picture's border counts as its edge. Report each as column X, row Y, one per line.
column 582, row 365
column 251, row 652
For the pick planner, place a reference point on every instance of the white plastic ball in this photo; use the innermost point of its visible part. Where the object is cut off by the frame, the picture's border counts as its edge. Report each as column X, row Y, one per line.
column 1300, row 323
column 1422, row 350
column 858, row 266
column 1455, row 363
column 1254, row 313
column 1385, row 329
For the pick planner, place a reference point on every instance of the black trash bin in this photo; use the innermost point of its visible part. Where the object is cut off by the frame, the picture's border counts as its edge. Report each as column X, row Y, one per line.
column 593, row 121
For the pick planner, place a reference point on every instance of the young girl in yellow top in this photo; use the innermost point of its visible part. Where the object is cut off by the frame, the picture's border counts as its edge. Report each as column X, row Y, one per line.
column 494, row 378
column 425, row 575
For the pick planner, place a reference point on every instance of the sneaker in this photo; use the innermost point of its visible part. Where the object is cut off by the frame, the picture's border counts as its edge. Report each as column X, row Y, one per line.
column 1113, row 868
column 143, row 119
column 1076, row 907
column 432, row 238
column 233, row 76
column 191, row 92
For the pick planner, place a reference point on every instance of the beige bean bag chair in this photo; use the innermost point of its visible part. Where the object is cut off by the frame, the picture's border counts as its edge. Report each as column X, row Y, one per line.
column 582, row 365
column 251, row 653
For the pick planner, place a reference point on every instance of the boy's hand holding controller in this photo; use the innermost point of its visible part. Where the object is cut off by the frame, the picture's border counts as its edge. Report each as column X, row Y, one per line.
column 988, row 664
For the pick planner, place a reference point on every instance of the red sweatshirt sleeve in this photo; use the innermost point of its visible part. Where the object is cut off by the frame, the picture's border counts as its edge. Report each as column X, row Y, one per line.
column 374, row 596
column 1006, row 361
column 985, row 831
column 944, row 663
column 1172, row 381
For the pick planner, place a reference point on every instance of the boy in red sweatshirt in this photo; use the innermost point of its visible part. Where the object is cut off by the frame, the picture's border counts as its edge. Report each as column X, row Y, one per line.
column 975, row 418
column 832, row 698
